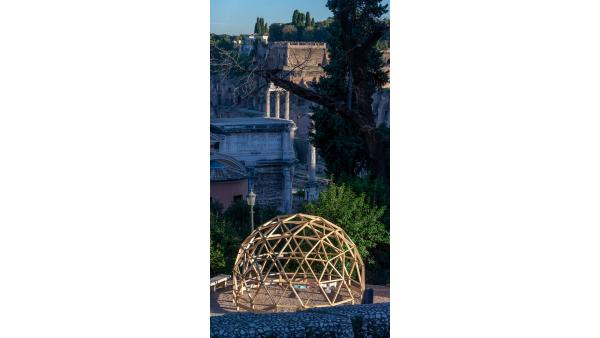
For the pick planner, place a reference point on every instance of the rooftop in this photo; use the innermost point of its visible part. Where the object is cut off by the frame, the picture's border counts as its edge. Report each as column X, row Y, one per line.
column 249, row 123
column 299, row 43
column 234, row 121
column 226, row 168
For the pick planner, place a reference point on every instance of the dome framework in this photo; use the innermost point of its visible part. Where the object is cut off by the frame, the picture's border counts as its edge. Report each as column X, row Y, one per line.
column 296, row 262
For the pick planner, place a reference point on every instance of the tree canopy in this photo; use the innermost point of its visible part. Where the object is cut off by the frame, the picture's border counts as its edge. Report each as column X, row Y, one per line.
column 260, row 27
column 228, row 229
column 355, row 214
column 307, row 20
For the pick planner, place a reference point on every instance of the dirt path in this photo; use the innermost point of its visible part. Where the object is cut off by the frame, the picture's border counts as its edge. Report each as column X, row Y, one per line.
column 221, row 301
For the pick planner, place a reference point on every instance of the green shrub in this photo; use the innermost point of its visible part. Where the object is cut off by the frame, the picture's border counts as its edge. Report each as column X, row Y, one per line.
column 353, row 213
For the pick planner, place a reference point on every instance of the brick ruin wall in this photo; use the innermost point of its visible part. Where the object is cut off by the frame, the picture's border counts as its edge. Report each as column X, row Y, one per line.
column 268, row 185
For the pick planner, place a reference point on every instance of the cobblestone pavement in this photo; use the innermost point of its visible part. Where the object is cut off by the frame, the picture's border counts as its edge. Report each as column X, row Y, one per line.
column 368, row 320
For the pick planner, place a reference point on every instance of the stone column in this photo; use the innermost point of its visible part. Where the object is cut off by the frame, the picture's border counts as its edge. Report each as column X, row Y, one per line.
column 312, row 163
column 287, row 191
column 381, row 103
column 267, row 103
column 277, row 104
column 312, row 190
column 287, row 106
column 291, row 137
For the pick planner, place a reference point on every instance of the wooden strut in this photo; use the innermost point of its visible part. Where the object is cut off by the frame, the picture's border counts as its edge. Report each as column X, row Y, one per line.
column 296, row 262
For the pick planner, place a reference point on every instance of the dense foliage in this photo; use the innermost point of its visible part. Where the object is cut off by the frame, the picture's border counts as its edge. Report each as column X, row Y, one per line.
column 228, row 229
column 299, row 19
column 335, row 135
column 310, row 30
column 384, row 42
column 222, row 41
column 361, row 220
column 221, row 46
column 289, row 32
column 224, row 54
column 378, row 193
column 302, row 28
column 260, row 27
column 376, row 190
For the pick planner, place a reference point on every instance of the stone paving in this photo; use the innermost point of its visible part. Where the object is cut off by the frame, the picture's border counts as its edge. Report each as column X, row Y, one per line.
column 367, row 320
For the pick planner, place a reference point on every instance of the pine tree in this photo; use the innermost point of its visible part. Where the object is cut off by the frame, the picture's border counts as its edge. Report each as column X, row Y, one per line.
column 307, row 21
column 300, row 20
column 355, row 214
column 344, row 119
column 353, row 75
column 260, row 27
column 295, row 17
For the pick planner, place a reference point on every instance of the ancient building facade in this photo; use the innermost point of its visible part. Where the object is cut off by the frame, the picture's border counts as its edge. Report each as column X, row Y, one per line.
column 253, row 141
column 265, row 147
column 225, row 97
column 228, row 179
column 299, row 62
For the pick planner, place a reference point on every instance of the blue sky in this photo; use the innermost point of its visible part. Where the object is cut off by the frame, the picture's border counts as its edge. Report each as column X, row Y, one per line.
column 239, row 16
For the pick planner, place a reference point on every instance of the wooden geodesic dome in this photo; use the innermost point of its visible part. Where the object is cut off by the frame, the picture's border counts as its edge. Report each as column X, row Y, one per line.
column 296, row 262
